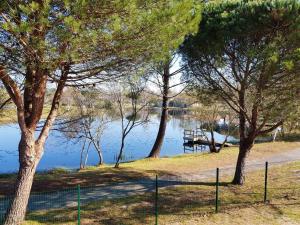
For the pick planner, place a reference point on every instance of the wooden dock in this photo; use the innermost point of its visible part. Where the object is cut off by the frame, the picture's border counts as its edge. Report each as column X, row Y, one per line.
column 191, row 136
column 197, row 137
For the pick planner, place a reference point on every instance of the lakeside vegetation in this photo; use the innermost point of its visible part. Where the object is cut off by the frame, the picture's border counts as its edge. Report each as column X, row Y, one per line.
column 8, row 116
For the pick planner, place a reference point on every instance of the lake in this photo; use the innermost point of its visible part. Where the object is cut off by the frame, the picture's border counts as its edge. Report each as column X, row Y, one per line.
column 59, row 152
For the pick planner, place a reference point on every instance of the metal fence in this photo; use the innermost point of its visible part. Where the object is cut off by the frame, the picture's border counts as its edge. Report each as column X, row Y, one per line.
column 150, row 201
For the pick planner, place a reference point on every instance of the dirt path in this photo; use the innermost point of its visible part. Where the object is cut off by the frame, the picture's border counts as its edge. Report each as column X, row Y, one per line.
column 251, row 165
column 68, row 198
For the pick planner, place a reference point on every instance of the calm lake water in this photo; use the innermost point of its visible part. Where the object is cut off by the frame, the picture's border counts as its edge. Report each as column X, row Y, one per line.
column 59, row 152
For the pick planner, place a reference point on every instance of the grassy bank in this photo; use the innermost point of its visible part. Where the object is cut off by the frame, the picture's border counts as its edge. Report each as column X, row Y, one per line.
column 183, row 164
column 9, row 116
column 204, row 161
column 193, row 204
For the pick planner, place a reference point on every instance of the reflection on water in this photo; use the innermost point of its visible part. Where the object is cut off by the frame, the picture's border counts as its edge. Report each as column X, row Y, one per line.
column 60, row 152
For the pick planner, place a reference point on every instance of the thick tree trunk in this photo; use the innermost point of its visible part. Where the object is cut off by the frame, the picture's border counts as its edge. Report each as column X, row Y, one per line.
column 161, row 132
column 29, row 106
column 245, row 145
column 244, row 149
column 29, row 160
column 164, row 116
column 247, row 137
column 17, row 210
column 212, row 145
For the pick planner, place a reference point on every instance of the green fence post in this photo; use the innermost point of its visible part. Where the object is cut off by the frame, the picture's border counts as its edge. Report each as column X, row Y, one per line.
column 78, row 204
column 217, row 190
column 266, row 183
column 156, row 200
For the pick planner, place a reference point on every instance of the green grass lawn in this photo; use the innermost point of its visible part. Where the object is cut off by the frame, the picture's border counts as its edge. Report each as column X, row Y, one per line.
column 193, row 203
column 190, row 163
column 145, row 168
column 9, row 116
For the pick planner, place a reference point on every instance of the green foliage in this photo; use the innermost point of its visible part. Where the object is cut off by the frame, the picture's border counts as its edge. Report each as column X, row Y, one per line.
column 106, row 34
column 252, row 45
column 244, row 22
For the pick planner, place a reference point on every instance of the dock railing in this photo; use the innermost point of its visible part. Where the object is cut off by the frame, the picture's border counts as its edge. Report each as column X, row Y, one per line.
column 192, row 136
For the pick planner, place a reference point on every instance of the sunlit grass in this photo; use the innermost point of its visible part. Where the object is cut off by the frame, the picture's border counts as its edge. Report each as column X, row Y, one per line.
column 8, row 116
column 146, row 168
column 193, row 203
column 202, row 161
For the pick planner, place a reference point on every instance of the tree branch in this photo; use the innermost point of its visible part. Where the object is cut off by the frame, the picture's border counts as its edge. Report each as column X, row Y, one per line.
column 271, row 128
column 54, row 107
column 15, row 94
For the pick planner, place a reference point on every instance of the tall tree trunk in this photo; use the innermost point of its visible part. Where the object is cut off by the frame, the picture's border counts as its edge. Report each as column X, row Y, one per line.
column 29, row 111
column 244, row 149
column 247, row 137
column 245, row 142
column 29, row 159
column 161, row 131
column 212, row 144
column 164, row 115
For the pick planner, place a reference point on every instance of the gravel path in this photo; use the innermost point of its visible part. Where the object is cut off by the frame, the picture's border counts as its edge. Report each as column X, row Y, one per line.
column 251, row 165
column 68, row 198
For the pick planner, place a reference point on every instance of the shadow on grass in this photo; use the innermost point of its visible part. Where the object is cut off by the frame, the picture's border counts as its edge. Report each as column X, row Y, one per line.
column 132, row 202
column 139, row 209
column 60, row 180
column 49, row 181
column 175, row 198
